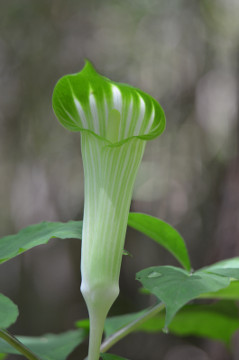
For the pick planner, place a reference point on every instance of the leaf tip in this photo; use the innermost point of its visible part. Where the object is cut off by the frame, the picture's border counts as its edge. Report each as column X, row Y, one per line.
column 88, row 67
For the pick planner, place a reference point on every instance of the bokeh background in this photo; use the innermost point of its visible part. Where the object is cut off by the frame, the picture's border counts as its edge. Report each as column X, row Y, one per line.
column 186, row 54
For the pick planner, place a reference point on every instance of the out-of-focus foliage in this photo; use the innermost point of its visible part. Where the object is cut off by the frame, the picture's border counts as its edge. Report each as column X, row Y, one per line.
column 35, row 235
column 8, row 312
column 185, row 54
column 49, row 346
column 216, row 321
column 163, row 233
column 111, row 357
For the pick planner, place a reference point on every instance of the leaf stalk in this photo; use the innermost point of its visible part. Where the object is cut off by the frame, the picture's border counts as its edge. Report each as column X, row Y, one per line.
column 11, row 340
column 120, row 334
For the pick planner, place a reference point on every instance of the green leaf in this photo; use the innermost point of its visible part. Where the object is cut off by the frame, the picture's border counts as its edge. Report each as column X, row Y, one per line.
column 175, row 287
column 49, row 346
column 111, row 357
column 34, row 235
column 8, row 312
column 228, row 267
column 115, row 323
column 163, row 233
column 217, row 321
column 229, row 293
column 83, row 324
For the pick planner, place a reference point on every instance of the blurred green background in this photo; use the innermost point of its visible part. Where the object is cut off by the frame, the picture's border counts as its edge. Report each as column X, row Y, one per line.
column 184, row 53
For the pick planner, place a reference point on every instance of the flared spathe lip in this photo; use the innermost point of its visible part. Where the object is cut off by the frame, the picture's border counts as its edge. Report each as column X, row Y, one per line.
column 83, row 101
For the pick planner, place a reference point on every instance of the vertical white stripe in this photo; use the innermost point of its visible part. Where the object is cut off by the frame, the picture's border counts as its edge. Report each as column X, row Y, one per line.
column 120, row 201
column 141, row 116
column 94, row 112
column 129, row 173
column 117, row 98
column 150, row 121
column 81, row 113
column 129, row 119
column 106, row 114
column 138, row 151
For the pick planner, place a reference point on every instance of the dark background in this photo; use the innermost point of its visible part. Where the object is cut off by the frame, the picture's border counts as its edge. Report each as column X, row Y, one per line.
column 184, row 53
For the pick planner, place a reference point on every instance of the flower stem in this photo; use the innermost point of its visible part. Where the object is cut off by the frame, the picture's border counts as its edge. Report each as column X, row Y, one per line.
column 96, row 332
column 99, row 300
column 11, row 340
column 113, row 339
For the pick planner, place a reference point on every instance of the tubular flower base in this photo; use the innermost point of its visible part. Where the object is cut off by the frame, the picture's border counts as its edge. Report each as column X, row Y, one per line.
column 115, row 121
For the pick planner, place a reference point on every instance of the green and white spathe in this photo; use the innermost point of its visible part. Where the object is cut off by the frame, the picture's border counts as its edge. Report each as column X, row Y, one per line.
column 115, row 120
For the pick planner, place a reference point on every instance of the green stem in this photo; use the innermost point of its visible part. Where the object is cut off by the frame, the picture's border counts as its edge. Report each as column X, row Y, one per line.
column 96, row 332
column 11, row 340
column 99, row 300
column 113, row 339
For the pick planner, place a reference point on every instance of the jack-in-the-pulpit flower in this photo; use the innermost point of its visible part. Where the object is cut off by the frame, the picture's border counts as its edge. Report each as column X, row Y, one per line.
column 115, row 121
